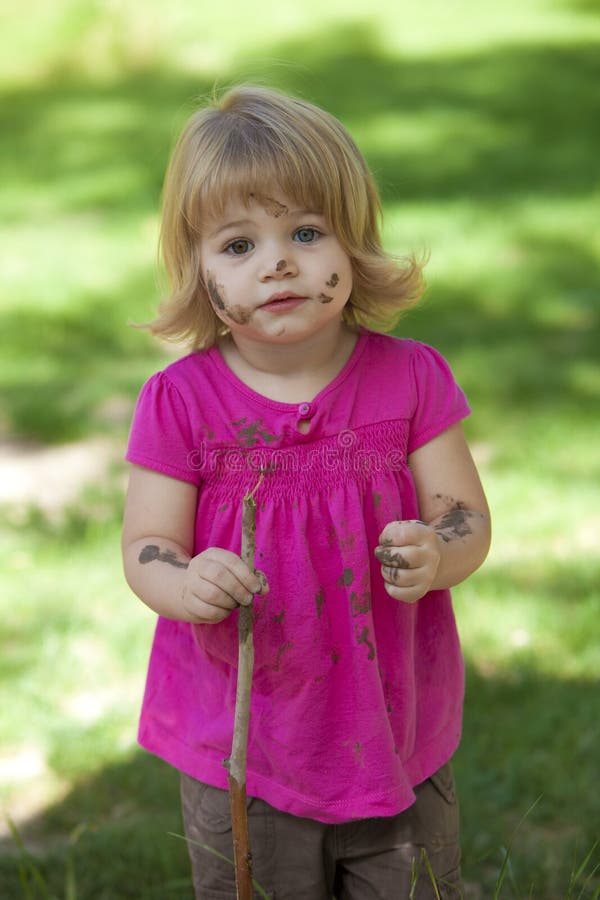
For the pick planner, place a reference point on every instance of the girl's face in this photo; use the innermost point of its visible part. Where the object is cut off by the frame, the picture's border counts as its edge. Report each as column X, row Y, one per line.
column 273, row 272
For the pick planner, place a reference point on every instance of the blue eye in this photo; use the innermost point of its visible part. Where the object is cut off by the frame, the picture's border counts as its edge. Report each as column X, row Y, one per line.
column 307, row 235
column 239, row 247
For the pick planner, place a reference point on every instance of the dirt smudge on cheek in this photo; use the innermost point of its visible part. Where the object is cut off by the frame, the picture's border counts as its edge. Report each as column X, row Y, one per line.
column 238, row 314
column 214, row 293
column 333, row 280
column 324, row 298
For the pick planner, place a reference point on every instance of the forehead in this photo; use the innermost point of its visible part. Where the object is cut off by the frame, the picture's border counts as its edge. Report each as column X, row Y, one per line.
column 256, row 207
column 221, row 187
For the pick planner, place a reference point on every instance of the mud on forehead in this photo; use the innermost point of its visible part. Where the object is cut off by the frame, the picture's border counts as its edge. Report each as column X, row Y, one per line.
column 274, row 197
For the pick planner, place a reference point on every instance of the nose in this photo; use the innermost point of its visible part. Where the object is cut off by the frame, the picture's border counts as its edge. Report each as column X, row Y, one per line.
column 278, row 269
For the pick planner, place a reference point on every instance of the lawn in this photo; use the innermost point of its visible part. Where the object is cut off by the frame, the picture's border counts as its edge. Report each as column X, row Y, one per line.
column 481, row 124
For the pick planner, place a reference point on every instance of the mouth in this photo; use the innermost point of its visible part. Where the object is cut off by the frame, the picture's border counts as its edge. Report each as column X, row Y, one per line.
column 283, row 300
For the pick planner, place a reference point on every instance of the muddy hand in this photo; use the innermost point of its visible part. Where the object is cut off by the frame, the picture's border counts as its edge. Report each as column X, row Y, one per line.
column 409, row 553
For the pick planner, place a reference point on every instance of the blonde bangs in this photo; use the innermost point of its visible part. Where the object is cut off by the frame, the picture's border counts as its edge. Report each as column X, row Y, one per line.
column 232, row 156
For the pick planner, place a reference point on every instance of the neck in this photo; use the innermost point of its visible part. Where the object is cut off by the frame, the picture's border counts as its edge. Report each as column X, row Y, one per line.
column 320, row 352
column 292, row 373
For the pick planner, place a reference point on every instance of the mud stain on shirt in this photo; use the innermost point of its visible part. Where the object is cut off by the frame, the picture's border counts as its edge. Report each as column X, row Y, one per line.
column 363, row 638
column 360, row 604
column 252, row 434
column 347, row 577
column 319, row 601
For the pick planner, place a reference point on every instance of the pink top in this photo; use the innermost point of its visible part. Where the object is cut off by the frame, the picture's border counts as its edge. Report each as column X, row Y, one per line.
column 356, row 697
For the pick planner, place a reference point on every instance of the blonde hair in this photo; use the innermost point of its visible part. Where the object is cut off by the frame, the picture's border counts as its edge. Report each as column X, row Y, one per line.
column 257, row 141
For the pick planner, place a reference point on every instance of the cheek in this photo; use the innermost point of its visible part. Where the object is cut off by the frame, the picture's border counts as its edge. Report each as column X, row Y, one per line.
column 338, row 283
column 215, row 293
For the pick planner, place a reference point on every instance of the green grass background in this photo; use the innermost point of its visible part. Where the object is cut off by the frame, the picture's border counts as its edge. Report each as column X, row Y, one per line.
column 482, row 124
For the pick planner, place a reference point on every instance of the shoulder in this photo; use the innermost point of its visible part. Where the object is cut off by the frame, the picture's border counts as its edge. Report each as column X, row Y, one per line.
column 401, row 360
column 185, row 379
column 392, row 349
column 185, row 370
column 173, row 393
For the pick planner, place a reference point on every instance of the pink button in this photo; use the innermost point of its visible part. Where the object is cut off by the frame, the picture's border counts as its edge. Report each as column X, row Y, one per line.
column 304, row 409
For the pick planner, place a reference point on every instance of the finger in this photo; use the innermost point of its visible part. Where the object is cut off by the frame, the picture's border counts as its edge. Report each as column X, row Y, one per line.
column 401, row 533
column 405, row 594
column 216, row 563
column 394, row 556
column 400, row 577
column 264, row 584
column 207, row 614
column 215, row 584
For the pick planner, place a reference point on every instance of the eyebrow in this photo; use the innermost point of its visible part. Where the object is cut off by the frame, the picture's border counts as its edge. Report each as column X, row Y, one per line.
column 243, row 223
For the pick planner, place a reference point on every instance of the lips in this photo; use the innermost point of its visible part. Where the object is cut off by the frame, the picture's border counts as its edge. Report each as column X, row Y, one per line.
column 283, row 295
column 285, row 300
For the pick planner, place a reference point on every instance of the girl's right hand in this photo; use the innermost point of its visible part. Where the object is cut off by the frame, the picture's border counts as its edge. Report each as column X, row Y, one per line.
column 217, row 582
column 158, row 534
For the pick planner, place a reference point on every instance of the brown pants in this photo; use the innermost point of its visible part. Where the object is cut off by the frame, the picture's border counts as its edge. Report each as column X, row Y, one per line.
column 301, row 859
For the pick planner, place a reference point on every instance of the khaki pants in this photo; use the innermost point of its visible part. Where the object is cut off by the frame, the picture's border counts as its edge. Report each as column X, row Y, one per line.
column 301, row 859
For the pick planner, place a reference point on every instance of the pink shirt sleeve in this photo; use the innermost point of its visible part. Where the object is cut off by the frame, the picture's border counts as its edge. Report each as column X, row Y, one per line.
column 439, row 401
column 161, row 435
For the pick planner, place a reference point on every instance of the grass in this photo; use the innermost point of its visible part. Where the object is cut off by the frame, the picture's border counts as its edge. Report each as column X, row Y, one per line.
column 482, row 128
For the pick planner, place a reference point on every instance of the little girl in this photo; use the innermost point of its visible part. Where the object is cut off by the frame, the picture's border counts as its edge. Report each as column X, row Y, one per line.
column 369, row 510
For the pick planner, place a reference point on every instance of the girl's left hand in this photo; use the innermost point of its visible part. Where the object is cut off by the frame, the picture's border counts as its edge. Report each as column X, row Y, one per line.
column 409, row 553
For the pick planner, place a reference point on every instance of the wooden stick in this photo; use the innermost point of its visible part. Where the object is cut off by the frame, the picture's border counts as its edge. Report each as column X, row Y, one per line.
column 236, row 764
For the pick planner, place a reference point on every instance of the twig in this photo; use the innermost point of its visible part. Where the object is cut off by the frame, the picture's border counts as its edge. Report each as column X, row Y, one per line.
column 236, row 764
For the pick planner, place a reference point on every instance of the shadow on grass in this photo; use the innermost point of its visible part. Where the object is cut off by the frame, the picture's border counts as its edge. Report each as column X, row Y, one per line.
column 528, row 737
column 127, row 811
column 510, row 122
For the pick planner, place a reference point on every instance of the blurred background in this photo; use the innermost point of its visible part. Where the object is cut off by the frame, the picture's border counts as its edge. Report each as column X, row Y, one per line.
column 481, row 122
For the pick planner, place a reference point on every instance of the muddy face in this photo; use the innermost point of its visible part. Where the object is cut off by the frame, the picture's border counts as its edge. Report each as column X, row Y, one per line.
column 333, row 280
column 214, row 294
column 238, row 314
column 281, row 265
column 271, row 206
column 324, row 298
